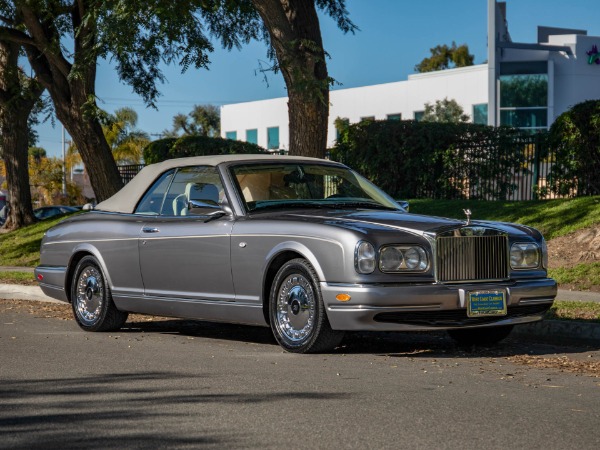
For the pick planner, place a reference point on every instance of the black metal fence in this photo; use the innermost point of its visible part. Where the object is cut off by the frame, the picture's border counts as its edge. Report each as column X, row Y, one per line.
column 129, row 171
column 516, row 170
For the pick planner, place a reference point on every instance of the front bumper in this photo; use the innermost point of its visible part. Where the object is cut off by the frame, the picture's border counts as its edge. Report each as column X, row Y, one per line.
column 431, row 306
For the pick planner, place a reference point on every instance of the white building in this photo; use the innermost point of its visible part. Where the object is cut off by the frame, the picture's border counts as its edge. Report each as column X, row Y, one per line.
column 523, row 85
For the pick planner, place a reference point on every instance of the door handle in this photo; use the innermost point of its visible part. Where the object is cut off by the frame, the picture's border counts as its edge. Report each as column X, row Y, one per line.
column 150, row 230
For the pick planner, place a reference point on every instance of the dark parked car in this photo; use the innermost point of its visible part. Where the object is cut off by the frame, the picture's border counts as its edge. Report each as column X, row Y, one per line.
column 45, row 212
column 305, row 246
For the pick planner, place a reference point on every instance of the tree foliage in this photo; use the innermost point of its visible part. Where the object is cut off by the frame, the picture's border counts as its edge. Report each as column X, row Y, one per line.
column 46, row 178
column 64, row 39
column 444, row 57
column 575, row 137
column 203, row 120
column 448, row 111
column 125, row 140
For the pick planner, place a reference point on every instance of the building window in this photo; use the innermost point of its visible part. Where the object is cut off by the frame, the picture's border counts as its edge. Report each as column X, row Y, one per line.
column 273, row 138
column 524, row 101
column 252, row 136
column 394, row 116
column 231, row 135
column 419, row 115
column 480, row 114
column 367, row 118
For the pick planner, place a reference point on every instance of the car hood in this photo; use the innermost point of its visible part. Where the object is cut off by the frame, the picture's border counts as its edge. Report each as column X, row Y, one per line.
column 365, row 220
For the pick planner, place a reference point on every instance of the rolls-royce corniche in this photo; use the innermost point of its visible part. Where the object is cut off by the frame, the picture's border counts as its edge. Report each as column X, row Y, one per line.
column 305, row 246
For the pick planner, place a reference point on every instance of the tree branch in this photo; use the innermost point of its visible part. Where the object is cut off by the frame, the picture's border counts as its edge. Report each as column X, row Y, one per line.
column 42, row 42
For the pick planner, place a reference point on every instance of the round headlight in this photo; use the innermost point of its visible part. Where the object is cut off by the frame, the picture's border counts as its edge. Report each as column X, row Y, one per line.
column 390, row 259
column 364, row 257
column 415, row 258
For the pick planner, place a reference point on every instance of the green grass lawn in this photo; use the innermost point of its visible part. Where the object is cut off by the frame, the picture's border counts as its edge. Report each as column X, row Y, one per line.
column 22, row 247
column 552, row 217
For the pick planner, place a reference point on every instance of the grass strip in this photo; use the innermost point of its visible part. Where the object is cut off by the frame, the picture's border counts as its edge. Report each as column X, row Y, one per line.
column 583, row 275
column 14, row 277
column 582, row 311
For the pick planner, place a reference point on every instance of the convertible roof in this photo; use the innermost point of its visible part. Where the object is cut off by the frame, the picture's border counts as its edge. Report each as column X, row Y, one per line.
column 128, row 197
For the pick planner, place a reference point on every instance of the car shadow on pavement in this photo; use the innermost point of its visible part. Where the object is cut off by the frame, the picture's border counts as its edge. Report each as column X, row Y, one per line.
column 399, row 344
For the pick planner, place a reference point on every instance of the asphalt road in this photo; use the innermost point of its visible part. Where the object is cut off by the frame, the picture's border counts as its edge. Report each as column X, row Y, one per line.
column 182, row 384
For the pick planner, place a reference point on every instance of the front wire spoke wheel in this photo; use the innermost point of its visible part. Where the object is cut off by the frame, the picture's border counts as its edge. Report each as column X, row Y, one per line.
column 296, row 310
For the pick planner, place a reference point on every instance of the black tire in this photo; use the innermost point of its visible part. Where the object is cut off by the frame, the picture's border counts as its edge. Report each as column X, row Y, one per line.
column 480, row 336
column 91, row 300
column 297, row 313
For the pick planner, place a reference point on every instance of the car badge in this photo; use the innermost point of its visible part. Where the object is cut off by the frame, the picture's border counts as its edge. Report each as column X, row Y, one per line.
column 468, row 214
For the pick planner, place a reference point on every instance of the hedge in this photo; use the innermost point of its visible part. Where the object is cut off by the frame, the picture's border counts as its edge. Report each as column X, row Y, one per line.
column 169, row 148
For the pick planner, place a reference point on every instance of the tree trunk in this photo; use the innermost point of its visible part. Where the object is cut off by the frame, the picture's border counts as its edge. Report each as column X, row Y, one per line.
column 16, row 103
column 89, row 139
column 15, row 146
column 72, row 87
column 296, row 37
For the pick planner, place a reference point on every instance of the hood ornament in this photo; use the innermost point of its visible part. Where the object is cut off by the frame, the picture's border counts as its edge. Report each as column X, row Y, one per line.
column 468, row 214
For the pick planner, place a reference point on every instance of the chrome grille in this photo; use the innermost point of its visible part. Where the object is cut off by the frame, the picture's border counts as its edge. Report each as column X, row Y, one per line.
column 472, row 258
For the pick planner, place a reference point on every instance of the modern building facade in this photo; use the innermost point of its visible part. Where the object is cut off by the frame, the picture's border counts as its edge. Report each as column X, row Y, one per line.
column 526, row 85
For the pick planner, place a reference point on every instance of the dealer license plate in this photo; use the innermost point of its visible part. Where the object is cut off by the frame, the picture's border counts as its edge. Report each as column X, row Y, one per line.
column 486, row 303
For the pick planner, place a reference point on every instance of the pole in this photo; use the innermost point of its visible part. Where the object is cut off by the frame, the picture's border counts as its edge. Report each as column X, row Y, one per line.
column 64, row 167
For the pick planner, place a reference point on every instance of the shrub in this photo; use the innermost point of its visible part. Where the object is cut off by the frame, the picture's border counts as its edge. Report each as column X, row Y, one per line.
column 575, row 137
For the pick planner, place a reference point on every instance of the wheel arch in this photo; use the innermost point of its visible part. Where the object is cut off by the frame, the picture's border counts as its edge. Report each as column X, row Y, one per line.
column 278, row 256
column 80, row 252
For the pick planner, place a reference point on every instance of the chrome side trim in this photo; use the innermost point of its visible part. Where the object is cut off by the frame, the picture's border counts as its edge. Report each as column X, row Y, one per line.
column 432, row 307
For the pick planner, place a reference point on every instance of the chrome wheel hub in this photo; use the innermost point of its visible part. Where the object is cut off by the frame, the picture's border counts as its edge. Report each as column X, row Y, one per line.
column 296, row 308
column 90, row 293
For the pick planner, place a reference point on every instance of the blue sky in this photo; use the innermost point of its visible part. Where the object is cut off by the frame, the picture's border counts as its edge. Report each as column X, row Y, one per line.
column 394, row 36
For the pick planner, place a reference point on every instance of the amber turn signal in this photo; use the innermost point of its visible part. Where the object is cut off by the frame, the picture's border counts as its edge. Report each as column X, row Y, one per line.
column 343, row 297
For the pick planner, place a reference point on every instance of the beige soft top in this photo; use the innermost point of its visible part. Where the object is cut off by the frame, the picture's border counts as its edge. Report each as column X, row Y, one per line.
column 128, row 197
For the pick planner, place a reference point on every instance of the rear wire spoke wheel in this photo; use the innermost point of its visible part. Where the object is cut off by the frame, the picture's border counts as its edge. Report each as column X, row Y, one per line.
column 296, row 310
column 91, row 300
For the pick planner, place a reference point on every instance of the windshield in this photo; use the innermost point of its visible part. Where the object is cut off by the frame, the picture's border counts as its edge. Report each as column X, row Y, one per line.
column 289, row 185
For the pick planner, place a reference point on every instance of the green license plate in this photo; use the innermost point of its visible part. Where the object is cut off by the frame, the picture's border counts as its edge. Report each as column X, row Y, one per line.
column 486, row 303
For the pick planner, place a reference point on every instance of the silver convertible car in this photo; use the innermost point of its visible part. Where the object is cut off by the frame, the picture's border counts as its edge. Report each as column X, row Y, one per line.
column 305, row 246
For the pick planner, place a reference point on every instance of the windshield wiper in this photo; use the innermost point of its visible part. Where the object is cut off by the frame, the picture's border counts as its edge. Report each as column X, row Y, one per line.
column 359, row 204
column 285, row 205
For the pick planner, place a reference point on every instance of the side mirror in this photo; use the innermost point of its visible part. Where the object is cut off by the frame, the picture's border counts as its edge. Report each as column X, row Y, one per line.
column 209, row 209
